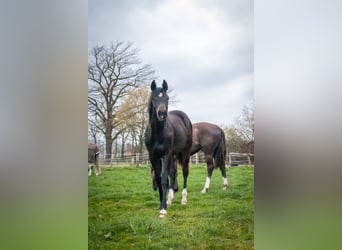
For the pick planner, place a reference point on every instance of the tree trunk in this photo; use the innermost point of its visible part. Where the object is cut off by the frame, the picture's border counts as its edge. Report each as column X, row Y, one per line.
column 109, row 143
column 133, row 144
column 116, row 148
column 141, row 145
column 123, row 140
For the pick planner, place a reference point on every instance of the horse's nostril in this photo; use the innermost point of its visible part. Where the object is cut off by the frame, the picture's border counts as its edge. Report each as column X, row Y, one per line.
column 161, row 113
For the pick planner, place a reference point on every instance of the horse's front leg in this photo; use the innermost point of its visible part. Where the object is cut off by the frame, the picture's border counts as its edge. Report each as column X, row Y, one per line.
column 156, row 169
column 164, row 184
column 173, row 181
column 154, row 180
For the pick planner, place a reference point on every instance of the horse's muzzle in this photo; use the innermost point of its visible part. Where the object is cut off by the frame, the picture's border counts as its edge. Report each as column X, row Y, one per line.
column 161, row 115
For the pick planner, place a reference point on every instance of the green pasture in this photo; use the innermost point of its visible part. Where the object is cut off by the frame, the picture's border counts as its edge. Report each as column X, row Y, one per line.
column 123, row 211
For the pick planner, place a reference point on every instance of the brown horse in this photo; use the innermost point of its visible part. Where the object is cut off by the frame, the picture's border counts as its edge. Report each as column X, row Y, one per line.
column 93, row 158
column 168, row 138
column 211, row 140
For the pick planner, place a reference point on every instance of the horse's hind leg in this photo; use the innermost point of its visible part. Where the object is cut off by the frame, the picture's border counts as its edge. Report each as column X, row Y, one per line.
column 185, row 166
column 210, row 168
column 173, row 181
column 224, row 177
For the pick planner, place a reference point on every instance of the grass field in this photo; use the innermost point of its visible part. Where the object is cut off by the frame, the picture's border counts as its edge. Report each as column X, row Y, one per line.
column 123, row 211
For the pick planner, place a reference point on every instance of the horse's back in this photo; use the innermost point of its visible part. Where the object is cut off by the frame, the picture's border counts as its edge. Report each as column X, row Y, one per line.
column 180, row 117
column 207, row 135
column 205, row 129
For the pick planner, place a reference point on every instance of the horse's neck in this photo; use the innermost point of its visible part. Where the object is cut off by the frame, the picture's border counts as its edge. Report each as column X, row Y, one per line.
column 157, row 129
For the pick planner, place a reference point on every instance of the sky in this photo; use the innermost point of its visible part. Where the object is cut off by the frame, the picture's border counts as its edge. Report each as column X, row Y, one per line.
column 202, row 48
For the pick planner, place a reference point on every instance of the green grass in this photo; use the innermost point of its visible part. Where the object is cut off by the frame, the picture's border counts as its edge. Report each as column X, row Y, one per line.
column 123, row 211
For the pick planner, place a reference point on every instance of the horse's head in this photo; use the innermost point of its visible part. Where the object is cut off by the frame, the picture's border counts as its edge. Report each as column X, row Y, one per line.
column 159, row 100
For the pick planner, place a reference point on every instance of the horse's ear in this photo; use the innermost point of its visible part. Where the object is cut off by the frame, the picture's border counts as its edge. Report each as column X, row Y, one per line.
column 165, row 85
column 153, row 85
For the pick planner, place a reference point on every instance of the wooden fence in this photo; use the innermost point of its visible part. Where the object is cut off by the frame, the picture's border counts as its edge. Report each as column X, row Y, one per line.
column 236, row 159
column 233, row 159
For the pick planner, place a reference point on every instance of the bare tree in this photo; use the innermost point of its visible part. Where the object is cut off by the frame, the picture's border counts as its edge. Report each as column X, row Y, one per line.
column 234, row 142
column 113, row 72
column 92, row 133
column 133, row 112
column 245, row 124
column 240, row 135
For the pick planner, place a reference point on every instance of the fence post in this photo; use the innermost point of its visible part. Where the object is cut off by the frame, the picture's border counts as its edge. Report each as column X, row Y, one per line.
column 196, row 158
column 137, row 159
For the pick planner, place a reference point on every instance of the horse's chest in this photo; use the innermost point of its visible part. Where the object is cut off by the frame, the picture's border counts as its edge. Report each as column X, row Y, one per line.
column 158, row 142
column 159, row 147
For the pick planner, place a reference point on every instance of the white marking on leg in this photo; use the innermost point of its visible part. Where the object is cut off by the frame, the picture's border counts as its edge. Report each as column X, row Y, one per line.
column 184, row 199
column 225, row 183
column 206, row 185
column 97, row 171
column 89, row 168
column 162, row 213
column 170, row 197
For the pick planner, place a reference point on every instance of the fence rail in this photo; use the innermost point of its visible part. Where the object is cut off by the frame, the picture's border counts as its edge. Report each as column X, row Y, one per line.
column 233, row 159
column 236, row 159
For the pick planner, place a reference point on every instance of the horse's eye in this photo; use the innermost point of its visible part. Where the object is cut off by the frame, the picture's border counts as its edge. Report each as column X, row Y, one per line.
column 160, row 94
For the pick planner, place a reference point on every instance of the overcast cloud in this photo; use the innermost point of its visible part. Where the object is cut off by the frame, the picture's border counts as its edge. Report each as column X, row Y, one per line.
column 203, row 49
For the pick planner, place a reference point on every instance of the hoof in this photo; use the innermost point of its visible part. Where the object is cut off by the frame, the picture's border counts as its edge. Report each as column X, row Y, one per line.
column 184, row 201
column 204, row 190
column 169, row 202
column 224, row 188
column 162, row 213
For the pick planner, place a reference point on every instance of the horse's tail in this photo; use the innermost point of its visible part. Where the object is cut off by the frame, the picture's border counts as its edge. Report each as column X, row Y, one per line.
column 220, row 151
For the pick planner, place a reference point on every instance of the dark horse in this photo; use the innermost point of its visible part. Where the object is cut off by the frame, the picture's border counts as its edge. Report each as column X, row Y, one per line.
column 211, row 140
column 168, row 138
column 93, row 158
